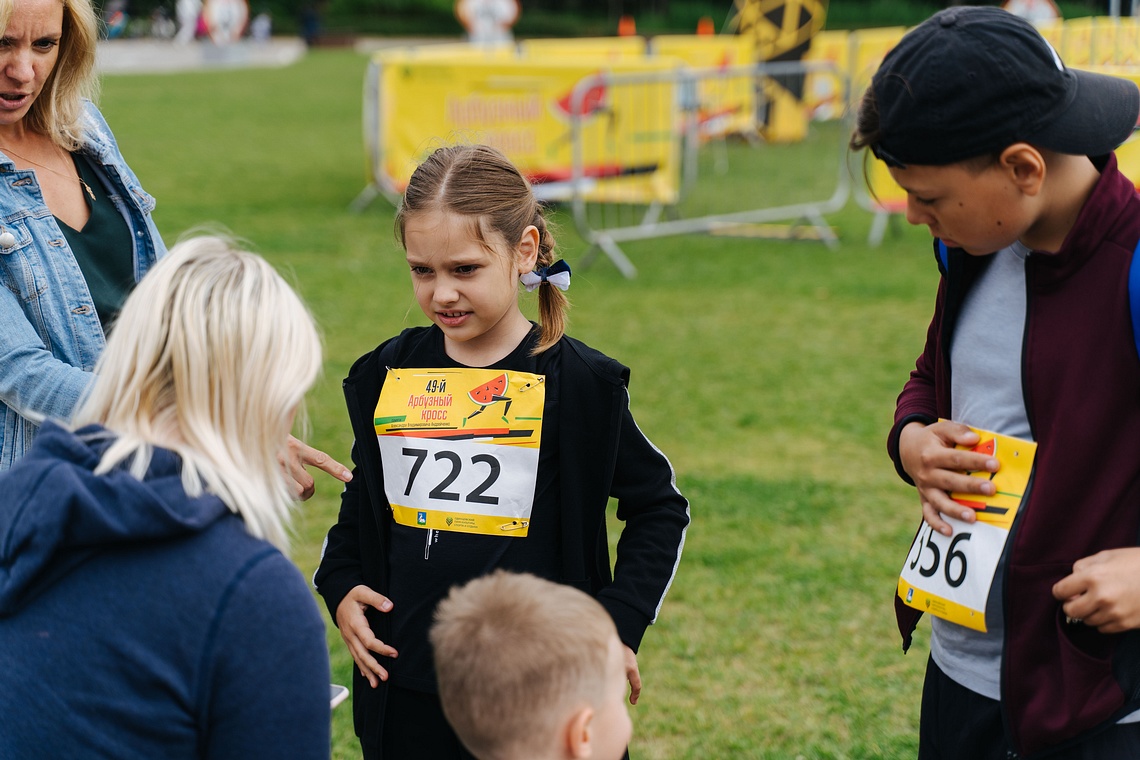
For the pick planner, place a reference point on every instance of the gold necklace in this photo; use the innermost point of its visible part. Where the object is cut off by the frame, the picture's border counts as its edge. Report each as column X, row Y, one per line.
column 53, row 171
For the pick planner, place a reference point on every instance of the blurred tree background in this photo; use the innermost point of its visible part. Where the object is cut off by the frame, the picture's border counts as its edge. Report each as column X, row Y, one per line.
column 572, row 18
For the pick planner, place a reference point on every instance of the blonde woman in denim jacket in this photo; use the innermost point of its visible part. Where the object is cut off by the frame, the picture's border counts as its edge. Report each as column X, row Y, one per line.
column 75, row 226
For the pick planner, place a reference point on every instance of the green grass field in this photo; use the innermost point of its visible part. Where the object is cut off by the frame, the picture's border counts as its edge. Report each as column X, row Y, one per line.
column 766, row 370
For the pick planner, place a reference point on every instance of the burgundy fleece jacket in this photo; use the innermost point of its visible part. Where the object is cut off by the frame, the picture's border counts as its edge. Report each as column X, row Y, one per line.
column 1081, row 378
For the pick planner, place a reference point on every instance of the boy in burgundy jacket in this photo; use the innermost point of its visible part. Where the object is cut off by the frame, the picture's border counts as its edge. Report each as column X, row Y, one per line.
column 1006, row 155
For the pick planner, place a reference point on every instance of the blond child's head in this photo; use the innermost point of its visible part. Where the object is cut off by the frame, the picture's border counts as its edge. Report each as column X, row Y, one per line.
column 529, row 669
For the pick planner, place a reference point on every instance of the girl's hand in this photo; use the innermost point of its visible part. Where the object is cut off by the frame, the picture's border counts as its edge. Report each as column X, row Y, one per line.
column 929, row 457
column 1103, row 590
column 633, row 674
column 357, row 634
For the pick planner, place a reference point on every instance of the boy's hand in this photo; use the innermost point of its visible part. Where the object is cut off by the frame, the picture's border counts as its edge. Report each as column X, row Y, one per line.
column 357, row 634
column 633, row 674
column 299, row 455
column 1103, row 590
column 929, row 456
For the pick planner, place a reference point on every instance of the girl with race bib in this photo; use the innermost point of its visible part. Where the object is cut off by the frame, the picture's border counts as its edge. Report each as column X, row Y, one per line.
column 484, row 441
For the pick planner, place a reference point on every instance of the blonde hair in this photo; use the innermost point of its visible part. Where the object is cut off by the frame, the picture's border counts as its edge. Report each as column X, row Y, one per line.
column 480, row 183
column 514, row 654
column 210, row 358
column 58, row 111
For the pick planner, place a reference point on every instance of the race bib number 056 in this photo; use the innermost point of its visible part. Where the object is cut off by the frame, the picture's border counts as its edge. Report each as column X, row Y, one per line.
column 950, row 576
column 460, row 448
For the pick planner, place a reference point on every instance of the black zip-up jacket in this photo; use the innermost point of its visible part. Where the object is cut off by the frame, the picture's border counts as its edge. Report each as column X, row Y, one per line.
column 602, row 453
column 1081, row 381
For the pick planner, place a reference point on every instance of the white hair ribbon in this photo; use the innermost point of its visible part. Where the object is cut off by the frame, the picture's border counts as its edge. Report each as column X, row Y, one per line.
column 557, row 274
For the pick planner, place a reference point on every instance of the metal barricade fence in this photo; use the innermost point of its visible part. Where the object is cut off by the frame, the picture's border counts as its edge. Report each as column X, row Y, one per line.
column 667, row 152
column 714, row 161
column 378, row 182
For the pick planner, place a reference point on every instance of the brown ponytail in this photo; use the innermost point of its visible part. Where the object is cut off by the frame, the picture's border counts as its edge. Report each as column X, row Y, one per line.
column 552, row 302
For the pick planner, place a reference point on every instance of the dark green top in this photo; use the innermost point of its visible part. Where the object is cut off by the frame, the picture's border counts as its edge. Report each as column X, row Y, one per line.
column 103, row 249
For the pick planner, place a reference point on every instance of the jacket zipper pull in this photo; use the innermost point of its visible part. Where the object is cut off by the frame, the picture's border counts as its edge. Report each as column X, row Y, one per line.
column 427, row 546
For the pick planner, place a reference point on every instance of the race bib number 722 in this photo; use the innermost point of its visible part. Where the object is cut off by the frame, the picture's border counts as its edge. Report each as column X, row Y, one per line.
column 460, row 448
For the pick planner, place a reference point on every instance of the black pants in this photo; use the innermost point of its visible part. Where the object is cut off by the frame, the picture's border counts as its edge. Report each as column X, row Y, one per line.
column 960, row 724
column 415, row 729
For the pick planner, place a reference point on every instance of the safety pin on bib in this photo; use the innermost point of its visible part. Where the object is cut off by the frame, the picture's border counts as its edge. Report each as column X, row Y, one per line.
column 514, row 525
column 527, row 386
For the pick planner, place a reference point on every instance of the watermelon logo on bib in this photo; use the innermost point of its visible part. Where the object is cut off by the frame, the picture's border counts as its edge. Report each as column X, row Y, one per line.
column 488, row 393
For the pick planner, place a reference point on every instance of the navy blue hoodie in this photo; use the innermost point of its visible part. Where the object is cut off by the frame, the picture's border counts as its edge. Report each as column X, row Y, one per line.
column 136, row 622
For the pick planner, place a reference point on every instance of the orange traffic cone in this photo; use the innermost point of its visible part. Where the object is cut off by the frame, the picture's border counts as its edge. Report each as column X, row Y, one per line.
column 705, row 26
column 627, row 27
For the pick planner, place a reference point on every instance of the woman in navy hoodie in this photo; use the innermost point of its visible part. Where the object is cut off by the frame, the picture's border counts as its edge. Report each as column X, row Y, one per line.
column 146, row 609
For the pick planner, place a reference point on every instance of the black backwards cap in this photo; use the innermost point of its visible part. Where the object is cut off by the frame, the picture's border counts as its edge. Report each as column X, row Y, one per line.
column 973, row 80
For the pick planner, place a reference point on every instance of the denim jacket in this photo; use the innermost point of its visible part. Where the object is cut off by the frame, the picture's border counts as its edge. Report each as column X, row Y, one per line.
column 50, row 336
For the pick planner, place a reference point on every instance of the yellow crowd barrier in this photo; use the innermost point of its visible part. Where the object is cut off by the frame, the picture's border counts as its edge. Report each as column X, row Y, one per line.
column 521, row 98
column 1128, row 154
column 605, row 48
column 724, row 105
column 825, row 92
column 423, row 98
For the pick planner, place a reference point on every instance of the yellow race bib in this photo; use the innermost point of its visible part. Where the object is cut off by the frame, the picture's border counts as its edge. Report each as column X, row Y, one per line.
column 460, row 448
column 950, row 576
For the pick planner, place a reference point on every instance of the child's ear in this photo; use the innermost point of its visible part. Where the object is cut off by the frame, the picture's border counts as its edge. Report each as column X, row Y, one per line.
column 1025, row 165
column 528, row 249
column 577, row 733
